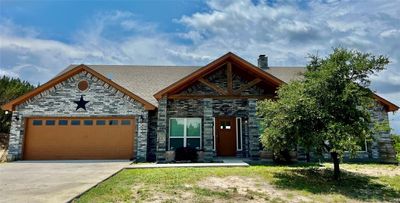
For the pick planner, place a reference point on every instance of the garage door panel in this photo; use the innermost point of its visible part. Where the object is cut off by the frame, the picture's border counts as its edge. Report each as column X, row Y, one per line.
column 80, row 138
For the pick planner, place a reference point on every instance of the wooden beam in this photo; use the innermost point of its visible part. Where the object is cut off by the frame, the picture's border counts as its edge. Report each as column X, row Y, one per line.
column 213, row 86
column 189, row 96
column 247, row 86
column 229, row 78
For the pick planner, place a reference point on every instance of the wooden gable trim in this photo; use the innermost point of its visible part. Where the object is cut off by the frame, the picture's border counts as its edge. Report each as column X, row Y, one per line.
column 247, row 86
column 10, row 106
column 199, row 96
column 186, row 81
column 389, row 106
column 229, row 78
column 212, row 86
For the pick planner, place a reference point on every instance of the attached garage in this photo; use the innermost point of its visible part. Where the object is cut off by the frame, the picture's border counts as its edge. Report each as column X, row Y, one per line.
column 79, row 138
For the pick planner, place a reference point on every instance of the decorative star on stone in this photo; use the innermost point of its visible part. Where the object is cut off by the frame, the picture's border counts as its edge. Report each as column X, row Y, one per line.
column 81, row 103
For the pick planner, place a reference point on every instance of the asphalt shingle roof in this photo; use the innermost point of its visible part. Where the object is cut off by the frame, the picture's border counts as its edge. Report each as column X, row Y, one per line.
column 145, row 81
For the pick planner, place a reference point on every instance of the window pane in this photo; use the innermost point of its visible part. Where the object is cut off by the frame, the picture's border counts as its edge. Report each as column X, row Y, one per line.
column 193, row 127
column 125, row 122
column 113, row 122
column 100, row 122
column 37, row 122
column 228, row 125
column 62, row 122
column 87, row 122
column 193, row 142
column 75, row 122
column 239, row 132
column 175, row 143
column 176, row 127
column 50, row 122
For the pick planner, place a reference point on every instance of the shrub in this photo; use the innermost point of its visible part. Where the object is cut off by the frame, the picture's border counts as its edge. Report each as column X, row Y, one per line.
column 186, row 154
column 396, row 139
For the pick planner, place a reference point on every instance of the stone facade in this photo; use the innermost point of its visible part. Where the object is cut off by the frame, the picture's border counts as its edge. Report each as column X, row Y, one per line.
column 58, row 101
column 380, row 148
column 207, row 109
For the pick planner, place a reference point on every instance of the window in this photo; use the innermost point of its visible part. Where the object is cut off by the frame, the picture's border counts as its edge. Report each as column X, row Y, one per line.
column 100, row 122
column 184, row 132
column 62, row 122
column 37, row 122
column 87, row 122
column 363, row 144
column 239, row 134
column 113, row 122
column 75, row 122
column 83, row 85
column 225, row 125
column 125, row 122
column 50, row 122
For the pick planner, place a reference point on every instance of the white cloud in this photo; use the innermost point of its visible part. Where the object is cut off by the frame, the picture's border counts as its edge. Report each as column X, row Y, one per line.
column 285, row 31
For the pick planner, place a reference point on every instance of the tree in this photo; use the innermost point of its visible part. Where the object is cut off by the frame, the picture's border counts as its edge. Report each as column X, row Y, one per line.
column 10, row 88
column 328, row 110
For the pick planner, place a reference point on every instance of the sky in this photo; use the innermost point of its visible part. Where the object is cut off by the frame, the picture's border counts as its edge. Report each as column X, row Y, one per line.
column 39, row 38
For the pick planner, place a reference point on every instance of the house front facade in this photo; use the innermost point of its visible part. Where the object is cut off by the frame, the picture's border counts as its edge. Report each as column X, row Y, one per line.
column 147, row 112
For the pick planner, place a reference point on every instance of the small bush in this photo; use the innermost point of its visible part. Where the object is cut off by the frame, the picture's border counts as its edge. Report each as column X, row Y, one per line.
column 396, row 139
column 186, row 154
column 283, row 157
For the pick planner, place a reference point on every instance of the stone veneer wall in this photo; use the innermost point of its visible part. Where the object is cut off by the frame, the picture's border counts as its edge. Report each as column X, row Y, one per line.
column 206, row 109
column 381, row 148
column 58, row 101
column 152, row 136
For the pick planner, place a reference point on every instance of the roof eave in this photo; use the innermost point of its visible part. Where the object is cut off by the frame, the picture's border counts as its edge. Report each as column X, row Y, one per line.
column 10, row 106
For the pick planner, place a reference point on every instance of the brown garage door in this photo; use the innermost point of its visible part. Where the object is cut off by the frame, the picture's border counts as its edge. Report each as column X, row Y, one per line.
column 79, row 138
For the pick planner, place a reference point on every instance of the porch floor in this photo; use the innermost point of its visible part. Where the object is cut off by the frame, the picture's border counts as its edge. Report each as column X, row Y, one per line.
column 223, row 162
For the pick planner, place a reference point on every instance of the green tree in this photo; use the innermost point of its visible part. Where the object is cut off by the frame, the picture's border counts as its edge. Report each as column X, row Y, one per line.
column 10, row 88
column 327, row 111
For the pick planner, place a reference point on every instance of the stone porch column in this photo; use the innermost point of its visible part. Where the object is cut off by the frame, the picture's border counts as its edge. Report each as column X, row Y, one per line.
column 162, row 129
column 16, row 137
column 208, row 130
column 254, row 141
column 142, row 137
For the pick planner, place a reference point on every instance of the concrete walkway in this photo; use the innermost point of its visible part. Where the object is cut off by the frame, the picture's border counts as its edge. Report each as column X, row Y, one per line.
column 52, row 181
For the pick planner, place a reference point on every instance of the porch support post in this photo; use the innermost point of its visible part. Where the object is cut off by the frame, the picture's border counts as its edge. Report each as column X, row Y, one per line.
column 16, row 137
column 142, row 137
column 254, row 141
column 208, row 130
column 162, row 129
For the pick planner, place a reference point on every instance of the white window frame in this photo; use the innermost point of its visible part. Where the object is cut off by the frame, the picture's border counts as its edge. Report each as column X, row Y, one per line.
column 184, row 132
column 239, row 134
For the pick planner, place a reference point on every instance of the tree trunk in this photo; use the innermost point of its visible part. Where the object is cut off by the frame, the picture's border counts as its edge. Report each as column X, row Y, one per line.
column 336, row 169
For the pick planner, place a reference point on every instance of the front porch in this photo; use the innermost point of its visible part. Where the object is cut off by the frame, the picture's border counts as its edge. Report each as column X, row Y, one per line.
column 216, row 128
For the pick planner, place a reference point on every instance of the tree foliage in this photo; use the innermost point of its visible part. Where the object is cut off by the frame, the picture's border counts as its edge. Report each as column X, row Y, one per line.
column 328, row 110
column 10, row 88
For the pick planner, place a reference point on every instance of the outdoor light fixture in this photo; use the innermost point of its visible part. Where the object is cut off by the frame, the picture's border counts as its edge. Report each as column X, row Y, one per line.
column 6, row 112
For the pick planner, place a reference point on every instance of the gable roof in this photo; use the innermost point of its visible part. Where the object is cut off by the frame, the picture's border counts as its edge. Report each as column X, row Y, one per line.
column 145, row 81
column 231, row 57
column 10, row 106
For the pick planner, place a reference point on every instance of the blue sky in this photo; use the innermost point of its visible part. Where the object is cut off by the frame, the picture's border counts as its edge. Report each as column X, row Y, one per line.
column 40, row 38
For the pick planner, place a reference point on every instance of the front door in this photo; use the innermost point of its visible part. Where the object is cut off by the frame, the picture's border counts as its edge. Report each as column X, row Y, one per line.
column 226, row 136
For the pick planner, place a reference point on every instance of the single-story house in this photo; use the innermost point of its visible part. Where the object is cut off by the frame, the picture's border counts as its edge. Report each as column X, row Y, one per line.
column 145, row 112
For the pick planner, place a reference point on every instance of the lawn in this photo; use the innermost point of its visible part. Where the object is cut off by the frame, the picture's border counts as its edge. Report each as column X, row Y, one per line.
column 297, row 183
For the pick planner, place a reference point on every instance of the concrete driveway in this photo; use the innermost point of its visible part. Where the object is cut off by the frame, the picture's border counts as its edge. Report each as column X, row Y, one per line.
column 52, row 181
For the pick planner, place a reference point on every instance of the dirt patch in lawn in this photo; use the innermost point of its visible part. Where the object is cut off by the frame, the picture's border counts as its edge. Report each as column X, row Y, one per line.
column 374, row 170
column 249, row 189
column 216, row 189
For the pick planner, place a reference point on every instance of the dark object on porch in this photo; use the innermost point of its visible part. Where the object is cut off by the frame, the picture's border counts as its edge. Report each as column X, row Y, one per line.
column 285, row 157
column 186, row 154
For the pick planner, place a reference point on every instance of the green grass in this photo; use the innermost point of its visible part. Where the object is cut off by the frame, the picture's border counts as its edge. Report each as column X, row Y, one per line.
column 300, row 182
